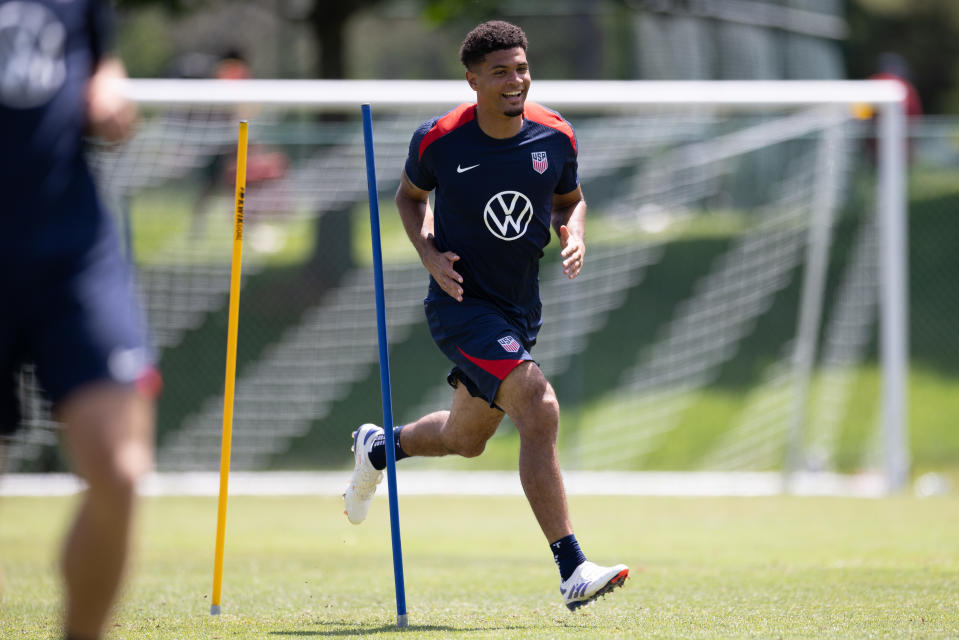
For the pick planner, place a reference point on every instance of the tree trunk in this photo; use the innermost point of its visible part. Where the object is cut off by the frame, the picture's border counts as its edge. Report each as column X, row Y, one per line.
column 329, row 18
column 331, row 42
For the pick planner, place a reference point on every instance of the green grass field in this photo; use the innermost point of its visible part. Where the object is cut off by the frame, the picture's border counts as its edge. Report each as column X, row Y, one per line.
column 477, row 568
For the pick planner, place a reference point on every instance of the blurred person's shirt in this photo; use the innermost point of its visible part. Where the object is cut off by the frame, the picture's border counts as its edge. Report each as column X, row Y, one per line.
column 50, row 50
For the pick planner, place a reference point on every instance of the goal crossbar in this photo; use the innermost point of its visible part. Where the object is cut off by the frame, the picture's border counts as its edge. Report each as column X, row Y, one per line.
column 596, row 96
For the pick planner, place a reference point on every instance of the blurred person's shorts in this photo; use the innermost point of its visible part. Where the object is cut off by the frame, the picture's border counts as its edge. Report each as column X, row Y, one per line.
column 76, row 319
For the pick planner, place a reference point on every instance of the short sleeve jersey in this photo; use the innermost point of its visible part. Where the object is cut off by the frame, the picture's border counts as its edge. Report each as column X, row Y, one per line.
column 494, row 198
column 50, row 49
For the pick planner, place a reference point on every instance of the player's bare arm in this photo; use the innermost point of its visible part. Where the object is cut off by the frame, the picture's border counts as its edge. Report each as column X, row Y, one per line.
column 414, row 206
column 569, row 221
column 110, row 114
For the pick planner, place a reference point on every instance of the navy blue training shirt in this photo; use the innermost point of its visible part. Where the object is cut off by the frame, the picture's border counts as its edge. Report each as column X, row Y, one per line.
column 493, row 200
column 48, row 50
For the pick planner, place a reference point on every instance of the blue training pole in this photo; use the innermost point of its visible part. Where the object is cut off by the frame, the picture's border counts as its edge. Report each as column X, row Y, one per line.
column 401, row 619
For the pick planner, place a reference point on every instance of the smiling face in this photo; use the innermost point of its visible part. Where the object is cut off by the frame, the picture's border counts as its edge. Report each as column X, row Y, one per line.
column 501, row 81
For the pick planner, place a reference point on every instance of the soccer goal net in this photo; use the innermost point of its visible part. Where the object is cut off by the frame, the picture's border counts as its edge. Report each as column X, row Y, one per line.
column 741, row 307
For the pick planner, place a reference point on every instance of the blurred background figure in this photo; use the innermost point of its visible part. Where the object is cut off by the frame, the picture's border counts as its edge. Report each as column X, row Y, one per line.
column 233, row 66
column 218, row 176
column 892, row 66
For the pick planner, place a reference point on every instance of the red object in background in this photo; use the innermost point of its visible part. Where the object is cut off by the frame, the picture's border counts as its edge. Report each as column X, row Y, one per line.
column 261, row 165
column 913, row 103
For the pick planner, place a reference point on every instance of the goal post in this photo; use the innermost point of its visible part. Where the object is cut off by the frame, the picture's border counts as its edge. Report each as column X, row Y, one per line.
column 746, row 259
column 895, row 297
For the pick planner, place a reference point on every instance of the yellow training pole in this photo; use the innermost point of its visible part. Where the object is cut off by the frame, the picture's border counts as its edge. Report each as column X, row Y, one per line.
column 235, row 269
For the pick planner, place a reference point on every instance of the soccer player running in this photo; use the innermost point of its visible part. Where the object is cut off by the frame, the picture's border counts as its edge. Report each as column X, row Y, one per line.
column 504, row 170
column 65, row 286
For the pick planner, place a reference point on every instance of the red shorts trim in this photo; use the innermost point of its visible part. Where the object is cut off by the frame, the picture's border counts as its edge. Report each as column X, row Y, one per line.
column 498, row 368
column 150, row 383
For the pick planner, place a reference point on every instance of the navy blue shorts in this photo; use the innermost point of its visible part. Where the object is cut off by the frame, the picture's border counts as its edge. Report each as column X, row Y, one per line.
column 76, row 319
column 483, row 344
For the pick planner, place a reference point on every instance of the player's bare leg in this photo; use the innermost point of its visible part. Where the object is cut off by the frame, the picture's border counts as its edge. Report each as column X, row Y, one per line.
column 109, row 437
column 463, row 430
column 528, row 398
column 530, row 401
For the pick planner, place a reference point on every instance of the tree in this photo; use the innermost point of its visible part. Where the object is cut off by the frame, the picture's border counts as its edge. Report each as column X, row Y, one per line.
column 329, row 19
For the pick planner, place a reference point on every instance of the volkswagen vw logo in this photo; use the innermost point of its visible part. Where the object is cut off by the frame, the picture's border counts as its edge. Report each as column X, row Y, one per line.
column 507, row 215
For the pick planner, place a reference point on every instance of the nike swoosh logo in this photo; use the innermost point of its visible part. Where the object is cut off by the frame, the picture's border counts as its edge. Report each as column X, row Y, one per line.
column 460, row 169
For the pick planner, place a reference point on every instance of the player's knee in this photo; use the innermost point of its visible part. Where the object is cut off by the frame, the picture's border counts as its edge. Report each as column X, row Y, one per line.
column 550, row 407
column 467, row 445
column 120, row 471
column 540, row 418
column 110, row 436
column 548, row 412
column 541, row 401
column 471, row 449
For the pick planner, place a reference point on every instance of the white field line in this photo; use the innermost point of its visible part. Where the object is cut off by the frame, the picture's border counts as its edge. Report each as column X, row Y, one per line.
column 476, row 483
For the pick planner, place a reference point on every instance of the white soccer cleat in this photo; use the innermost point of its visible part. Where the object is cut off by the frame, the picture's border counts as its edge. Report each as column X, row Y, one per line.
column 591, row 581
column 365, row 478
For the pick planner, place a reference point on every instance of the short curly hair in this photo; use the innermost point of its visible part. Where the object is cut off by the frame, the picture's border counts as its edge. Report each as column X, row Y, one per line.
column 490, row 36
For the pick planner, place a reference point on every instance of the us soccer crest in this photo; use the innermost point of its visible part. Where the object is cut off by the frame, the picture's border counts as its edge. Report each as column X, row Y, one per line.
column 509, row 343
column 540, row 163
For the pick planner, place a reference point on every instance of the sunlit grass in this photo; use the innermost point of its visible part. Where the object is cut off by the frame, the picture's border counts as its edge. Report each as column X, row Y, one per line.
column 479, row 568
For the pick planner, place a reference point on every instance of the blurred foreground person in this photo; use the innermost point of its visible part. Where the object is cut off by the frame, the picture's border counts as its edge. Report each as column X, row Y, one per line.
column 66, row 288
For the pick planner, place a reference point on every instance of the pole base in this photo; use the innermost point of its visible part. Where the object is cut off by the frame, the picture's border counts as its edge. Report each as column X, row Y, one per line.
column 214, row 609
column 402, row 620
